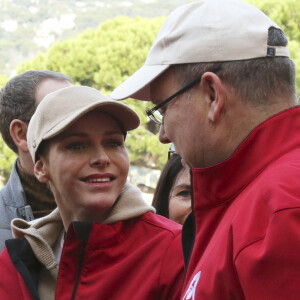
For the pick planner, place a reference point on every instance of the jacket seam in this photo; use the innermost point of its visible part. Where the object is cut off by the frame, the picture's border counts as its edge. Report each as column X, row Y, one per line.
column 285, row 208
column 262, row 236
column 174, row 234
column 247, row 245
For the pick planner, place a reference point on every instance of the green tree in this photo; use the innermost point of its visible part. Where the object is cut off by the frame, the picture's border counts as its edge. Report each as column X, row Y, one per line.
column 7, row 158
column 3, row 80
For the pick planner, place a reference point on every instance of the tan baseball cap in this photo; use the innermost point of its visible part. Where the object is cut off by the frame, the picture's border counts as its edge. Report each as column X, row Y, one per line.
column 60, row 109
column 204, row 31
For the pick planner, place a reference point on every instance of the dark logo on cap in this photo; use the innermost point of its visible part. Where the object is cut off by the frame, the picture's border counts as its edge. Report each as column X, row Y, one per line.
column 271, row 51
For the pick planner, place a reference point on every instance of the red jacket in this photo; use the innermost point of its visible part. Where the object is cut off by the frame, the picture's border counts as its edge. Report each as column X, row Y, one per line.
column 247, row 217
column 139, row 259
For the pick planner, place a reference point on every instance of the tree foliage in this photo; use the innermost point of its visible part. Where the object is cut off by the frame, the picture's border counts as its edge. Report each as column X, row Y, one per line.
column 3, row 80
column 30, row 15
column 7, row 158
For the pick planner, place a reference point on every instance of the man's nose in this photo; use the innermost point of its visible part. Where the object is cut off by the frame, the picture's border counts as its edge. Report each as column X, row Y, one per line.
column 162, row 135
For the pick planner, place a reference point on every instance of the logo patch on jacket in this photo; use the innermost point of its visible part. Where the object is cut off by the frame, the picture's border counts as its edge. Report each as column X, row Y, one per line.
column 190, row 293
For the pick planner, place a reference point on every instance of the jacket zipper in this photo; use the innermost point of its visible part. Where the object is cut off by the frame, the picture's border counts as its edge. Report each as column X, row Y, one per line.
column 189, row 233
column 81, row 258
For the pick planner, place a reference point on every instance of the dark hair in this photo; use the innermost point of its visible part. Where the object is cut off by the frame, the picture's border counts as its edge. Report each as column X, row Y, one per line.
column 256, row 81
column 17, row 99
column 43, row 150
column 165, row 184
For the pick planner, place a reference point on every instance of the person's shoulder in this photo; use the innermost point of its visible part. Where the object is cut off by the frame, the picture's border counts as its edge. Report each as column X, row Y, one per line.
column 10, row 258
column 279, row 181
column 3, row 189
column 288, row 162
column 162, row 223
column 12, row 180
column 5, row 199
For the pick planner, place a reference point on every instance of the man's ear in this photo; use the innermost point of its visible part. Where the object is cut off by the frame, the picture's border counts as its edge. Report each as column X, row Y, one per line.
column 18, row 131
column 41, row 171
column 216, row 93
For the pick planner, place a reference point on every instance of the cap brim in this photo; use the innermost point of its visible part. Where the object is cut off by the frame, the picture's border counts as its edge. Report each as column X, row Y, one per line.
column 137, row 86
column 127, row 118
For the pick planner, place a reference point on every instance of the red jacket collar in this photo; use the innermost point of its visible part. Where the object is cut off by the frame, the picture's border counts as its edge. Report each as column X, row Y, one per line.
column 267, row 142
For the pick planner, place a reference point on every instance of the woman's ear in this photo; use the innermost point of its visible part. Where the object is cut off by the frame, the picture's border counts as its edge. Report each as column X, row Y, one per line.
column 18, row 131
column 216, row 92
column 41, row 171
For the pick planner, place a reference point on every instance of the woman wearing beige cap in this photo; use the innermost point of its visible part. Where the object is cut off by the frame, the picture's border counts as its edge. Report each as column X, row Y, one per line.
column 103, row 241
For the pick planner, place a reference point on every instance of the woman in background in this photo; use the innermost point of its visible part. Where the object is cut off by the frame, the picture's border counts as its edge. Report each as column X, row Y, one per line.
column 172, row 196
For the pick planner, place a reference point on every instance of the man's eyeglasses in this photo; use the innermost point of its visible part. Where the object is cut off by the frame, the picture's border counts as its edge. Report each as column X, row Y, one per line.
column 154, row 113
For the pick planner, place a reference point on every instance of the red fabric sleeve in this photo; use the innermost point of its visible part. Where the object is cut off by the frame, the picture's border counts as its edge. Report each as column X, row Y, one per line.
column 269, row 268
column 172, row 272
column 12, row 286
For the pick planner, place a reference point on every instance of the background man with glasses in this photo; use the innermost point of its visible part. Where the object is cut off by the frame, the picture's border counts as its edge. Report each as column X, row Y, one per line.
column 230, row 109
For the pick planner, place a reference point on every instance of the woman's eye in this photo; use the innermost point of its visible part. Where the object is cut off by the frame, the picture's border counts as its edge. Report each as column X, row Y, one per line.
column 114, row 143
column 76, row 146
column 184, row 194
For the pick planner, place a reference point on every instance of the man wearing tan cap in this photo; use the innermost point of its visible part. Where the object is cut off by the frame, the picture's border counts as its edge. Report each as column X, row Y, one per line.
column 24, row 196
column 223, row 87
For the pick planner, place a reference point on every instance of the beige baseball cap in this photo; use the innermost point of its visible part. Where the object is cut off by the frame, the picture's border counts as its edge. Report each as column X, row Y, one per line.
column 204, row 31
column 60, row 109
